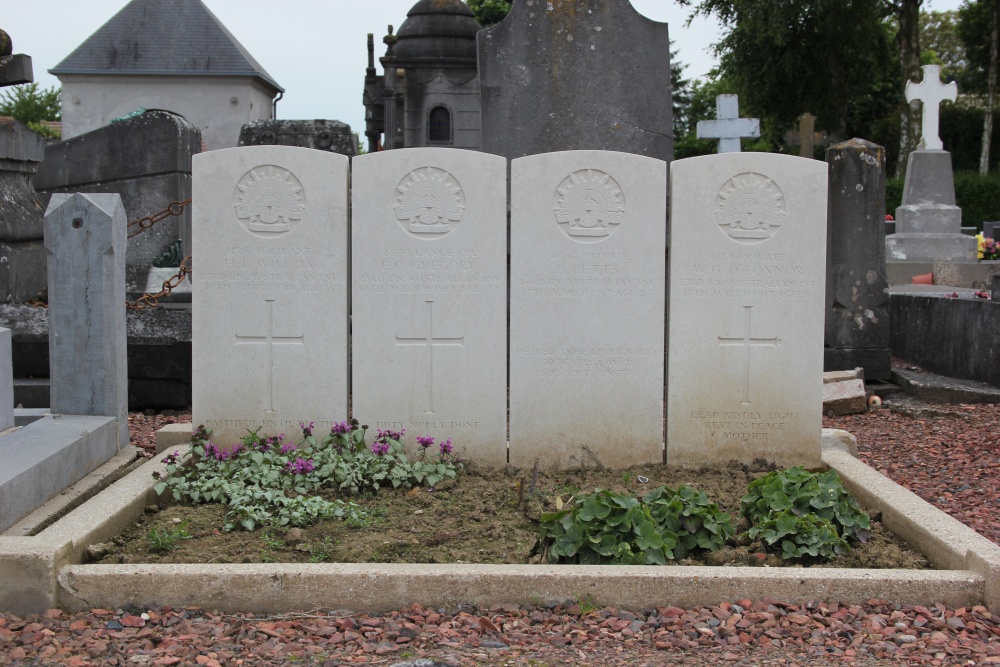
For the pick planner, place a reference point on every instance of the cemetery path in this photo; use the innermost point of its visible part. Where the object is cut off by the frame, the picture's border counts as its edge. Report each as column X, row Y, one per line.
column 949, row 455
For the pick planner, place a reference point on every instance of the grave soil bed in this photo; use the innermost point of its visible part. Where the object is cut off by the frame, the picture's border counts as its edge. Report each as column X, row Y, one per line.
column 480, row 518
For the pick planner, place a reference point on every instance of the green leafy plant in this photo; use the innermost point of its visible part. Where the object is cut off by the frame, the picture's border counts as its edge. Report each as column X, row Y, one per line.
column 166, row 539
column 606, row 527
column 272, row 481
column 804, row 513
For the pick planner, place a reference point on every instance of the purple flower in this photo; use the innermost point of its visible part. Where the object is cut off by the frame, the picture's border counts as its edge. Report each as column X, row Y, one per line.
column 300, row 466
column 446, row 446
column 390, row 435
column 424, row 441
column 380, row 448
column 211, row 451
column 171, row 458
column 307, row 429
column 340, row 428
column 237, row 448
column 221, row 455
column 288, row 448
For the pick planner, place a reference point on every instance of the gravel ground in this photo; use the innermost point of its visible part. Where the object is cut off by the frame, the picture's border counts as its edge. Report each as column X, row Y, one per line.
column 949, row 455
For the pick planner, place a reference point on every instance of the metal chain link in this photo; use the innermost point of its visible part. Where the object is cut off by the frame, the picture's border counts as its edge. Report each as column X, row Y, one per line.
column 153, row 300
column 175, row 208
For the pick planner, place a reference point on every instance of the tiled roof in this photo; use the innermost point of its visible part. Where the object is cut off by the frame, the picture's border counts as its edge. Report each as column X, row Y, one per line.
column 163, row 37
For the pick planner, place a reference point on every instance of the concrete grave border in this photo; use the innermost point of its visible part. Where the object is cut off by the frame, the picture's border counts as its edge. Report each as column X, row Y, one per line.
column 44, row 571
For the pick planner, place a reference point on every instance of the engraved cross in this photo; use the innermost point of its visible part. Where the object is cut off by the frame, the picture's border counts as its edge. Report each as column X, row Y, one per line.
column 728, row 127
column 430, row 342
column 746, row 341
column 269, row 340
column 931, row 92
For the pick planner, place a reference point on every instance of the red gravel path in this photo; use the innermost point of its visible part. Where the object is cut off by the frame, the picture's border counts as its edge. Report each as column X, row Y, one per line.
column 949, row 455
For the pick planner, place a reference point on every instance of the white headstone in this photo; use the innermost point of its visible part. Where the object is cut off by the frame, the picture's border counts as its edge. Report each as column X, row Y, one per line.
column 587, row 306
column 728, row 127
column 931, row 92
column 6, row 381
column 429, row 307
column 747, row 299
column 269, row 330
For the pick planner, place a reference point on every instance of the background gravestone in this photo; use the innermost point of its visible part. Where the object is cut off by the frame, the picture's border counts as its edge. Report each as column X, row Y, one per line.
column 324, row 135
column 6, row 381
column 85, row 238
column 857, row 290
column 429, row 308
column 269, row 308
column 747, row 256
column 147, row 160
column 22, row 255
column 587, row 271
column 576, row 74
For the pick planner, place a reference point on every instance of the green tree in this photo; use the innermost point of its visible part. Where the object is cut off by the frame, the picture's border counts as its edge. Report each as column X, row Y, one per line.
column 941, row 44
column 489, row 12
column 975, row 25
column 33, row 107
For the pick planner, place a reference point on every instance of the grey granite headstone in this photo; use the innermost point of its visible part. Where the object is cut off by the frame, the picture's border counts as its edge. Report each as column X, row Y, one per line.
column 6, row 381
column 22, row 256
column 991, row 230
column 857, row 290
column 324, row 135
column 147, row 160
column 559, row 75
column 85, row 237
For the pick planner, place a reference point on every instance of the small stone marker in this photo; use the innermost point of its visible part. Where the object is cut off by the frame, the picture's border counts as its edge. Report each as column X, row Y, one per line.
column 429, row 320
column 269, row 320
column 85, row 239
column 6, row 381
column 728, row 127
column 748, row 251
column 587, row 309
column 931, row 93
column 806, row 138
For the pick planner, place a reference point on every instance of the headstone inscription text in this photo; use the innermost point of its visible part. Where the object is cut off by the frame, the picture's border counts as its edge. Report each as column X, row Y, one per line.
column 748, row 254
column 270, row 303
column 587, row 308
column 430, row 297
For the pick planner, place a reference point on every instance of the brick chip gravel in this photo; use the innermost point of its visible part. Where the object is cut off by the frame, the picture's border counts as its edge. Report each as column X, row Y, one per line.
column 949, row 455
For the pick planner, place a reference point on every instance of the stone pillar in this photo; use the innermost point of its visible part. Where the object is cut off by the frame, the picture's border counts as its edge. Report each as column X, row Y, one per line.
column 857, row 290
column 6, row 381
column 22, row 256
column 85, row 238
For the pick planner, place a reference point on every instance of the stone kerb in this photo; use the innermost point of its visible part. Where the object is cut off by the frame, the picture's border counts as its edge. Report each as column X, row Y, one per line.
column 429, row 306
column 588, row 245
column 270, row 305
column 747, row 289
column 85, row 239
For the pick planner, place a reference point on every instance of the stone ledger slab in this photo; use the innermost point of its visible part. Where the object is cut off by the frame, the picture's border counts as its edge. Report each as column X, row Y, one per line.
column 429, row 305
column 747, row 271
column 269, row 306
column 587, row 306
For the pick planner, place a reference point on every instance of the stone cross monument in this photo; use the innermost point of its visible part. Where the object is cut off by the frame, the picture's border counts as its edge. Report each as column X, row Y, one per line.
column 728, row 127
column 931, row 92
column 807, row 138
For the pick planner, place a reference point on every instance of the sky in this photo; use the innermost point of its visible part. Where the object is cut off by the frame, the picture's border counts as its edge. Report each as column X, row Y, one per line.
column 315, row 49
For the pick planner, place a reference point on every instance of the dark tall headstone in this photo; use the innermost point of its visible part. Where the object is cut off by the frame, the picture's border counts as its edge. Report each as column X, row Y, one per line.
column 22, row 256
column 147, row 160
column 857, row 290
column 323, row 135
column 559, row 75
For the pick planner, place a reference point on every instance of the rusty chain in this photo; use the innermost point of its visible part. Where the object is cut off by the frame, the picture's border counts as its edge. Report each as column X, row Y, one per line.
column 173, row 209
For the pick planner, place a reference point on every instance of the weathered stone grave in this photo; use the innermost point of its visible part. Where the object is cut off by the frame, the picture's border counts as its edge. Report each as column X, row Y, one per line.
column 728, row 127
column 748, row 251
column 270, row 302
column 928, row 223
column 323, row 135
column 587, row 309
column 857, row 290
column 22, row 254
column 576, row 74
column 429, row 316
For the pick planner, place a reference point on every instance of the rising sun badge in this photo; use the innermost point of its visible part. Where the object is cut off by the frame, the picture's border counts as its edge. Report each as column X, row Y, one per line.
column 750, row 208
column 269, row 200
column 589, row 205
column 429, row 201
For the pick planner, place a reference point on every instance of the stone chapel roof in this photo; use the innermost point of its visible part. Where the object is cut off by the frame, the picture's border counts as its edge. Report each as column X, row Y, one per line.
column 163, row 37
column 438, row 30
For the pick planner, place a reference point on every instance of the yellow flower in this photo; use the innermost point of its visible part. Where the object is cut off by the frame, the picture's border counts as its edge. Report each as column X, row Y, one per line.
column 980, row 242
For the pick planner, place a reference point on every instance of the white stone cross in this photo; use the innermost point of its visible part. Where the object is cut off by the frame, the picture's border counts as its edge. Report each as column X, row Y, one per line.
column 728, row 127
column 931, row 92
column 430, row 342
column 746, row 341
column 270, row 340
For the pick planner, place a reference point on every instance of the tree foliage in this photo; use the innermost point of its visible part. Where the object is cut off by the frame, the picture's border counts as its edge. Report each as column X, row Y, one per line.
column 941, row 44
column 29, row 105
column 489, row 12
column 975, row 23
